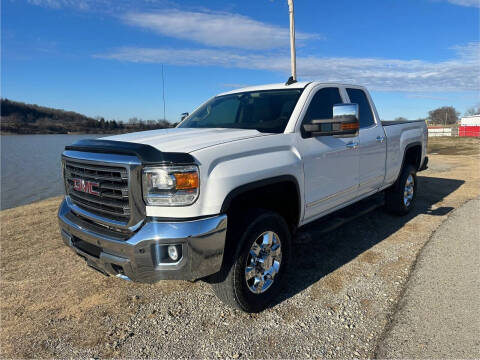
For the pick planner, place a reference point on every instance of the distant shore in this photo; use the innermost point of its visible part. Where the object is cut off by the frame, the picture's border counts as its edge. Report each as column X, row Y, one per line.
column 19, row 118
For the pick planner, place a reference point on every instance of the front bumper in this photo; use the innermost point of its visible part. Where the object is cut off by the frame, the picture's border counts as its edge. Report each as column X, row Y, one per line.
column 141, row 256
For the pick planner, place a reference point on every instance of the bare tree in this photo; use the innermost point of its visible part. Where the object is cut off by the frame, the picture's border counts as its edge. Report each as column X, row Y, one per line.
column 473, row 111
column 446, row 115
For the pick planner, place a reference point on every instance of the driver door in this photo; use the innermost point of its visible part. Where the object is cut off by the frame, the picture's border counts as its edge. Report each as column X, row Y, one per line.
column 331, row 164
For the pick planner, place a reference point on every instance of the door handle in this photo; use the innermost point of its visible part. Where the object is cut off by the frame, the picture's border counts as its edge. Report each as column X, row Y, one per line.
column 352, row 145
column 380, row 139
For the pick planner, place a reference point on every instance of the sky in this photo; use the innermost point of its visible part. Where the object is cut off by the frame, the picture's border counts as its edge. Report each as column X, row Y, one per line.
column 105, row 57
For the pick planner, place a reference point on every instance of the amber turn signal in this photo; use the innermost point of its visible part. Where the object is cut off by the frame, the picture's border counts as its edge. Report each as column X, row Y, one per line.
column 349, row 126
column 186, row 180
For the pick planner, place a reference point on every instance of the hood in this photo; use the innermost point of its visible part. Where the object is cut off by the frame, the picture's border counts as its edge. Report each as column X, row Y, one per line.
column 186, row 139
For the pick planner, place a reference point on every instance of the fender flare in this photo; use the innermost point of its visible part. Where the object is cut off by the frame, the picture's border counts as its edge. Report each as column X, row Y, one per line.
column 409, row 146
column 242, row 189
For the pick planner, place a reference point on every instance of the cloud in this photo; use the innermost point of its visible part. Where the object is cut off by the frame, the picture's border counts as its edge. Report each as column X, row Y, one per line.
column 215, row 29
column 472, row 3
column 110, row 7
column 469, row 51
column 57, row 4
column 460, row 74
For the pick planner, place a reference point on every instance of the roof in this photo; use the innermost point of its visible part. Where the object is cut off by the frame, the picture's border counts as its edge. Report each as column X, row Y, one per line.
column 281, row 86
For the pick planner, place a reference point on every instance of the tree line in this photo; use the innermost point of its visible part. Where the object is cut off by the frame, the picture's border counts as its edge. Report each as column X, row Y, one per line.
column 21, row 118
column 446, row 115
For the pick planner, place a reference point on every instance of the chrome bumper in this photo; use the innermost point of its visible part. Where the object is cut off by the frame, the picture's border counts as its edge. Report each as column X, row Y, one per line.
column 141, row 257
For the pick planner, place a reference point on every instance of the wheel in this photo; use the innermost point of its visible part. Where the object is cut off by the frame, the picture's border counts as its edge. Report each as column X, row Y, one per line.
column 255, row 272
column 400, row 198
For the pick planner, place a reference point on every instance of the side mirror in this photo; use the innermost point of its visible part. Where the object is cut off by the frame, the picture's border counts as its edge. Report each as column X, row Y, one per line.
column 344, row 123
column 184, row 115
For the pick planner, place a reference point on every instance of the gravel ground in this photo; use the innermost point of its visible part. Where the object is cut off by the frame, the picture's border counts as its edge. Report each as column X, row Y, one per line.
column 438, row 316
column 342, row 289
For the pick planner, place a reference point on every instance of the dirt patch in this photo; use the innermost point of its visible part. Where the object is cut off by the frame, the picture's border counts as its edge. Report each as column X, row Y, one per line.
column 291, row 314
column 370, row 257
column 450, row 145
column 392, row 269
column 333, row 282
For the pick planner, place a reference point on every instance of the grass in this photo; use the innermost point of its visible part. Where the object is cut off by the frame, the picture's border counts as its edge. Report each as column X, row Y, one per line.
column 453, row 145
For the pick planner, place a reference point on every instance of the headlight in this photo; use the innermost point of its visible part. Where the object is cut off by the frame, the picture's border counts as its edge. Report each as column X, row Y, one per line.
column 170, row 185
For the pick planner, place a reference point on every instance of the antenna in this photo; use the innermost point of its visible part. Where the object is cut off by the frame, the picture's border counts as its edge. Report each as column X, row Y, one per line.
column 293, row 60
column 163, row 93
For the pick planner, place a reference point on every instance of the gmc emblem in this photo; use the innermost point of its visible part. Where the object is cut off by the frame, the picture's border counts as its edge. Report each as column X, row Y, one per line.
column 86, row 186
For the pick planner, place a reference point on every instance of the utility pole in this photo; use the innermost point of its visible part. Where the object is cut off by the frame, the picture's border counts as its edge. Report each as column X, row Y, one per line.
column 163, row 93
column 293, row 60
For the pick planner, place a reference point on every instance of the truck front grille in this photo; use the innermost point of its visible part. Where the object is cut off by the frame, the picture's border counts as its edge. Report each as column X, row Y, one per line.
column 101, row 189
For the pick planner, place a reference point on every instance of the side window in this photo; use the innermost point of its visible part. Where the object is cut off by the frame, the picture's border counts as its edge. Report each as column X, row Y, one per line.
column 321, row 106
column 358, row 96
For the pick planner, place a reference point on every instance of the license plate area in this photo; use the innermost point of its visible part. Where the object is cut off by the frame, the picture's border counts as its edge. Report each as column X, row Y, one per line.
column 86, row 247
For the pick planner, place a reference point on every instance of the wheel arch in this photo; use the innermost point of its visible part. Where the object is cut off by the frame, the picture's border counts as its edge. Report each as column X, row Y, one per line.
column 262, row 192
column 412, row 155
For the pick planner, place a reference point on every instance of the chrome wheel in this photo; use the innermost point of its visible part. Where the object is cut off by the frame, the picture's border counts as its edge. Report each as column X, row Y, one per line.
column 408, row 191
column 263, row 262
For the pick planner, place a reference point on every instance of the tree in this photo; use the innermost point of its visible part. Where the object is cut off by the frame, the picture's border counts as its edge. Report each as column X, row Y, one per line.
column 473, row 111
column 444, row 115
column 163, row 124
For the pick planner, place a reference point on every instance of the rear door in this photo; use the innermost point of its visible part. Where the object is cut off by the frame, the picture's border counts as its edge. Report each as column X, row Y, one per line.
column 330, row 163
column 372, row 143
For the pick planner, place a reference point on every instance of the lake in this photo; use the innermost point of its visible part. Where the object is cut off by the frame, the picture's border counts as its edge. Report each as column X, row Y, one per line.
column 30, row 167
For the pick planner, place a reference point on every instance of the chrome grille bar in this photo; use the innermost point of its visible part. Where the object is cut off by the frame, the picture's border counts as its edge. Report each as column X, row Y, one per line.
column 110, row 197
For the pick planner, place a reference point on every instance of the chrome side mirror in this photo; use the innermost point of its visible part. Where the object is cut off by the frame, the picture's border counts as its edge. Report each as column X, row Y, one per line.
column 344, row 123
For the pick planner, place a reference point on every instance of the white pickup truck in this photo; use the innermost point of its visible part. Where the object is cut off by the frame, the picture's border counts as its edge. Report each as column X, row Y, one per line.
column 220, row 196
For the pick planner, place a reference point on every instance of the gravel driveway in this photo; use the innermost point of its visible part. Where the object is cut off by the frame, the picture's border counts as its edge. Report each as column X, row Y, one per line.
column 341, row 292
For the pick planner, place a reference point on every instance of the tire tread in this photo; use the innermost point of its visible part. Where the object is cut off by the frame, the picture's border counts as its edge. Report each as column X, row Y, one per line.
column 394, row 194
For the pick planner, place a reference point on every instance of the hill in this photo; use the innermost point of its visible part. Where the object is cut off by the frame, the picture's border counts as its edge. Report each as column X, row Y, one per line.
column 20, row 118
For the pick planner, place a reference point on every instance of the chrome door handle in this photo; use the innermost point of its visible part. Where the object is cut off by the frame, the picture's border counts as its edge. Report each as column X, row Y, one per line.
column 352, row 145
column 380, row 139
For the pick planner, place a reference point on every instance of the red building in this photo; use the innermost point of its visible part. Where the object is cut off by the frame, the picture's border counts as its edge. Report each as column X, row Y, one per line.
column 469, row 126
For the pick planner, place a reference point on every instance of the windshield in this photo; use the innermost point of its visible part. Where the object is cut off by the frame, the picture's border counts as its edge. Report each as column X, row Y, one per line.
column 265, row 111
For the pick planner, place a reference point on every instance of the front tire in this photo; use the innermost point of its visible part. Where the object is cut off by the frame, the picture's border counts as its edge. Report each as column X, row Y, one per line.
column 254, row 276
column 400, row 197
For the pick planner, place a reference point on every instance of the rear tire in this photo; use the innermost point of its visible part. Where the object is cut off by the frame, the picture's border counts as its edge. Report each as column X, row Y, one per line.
column 253, row 276
column 400, row 197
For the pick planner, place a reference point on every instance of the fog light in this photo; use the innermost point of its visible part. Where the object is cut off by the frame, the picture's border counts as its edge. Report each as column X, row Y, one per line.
column 173, row 252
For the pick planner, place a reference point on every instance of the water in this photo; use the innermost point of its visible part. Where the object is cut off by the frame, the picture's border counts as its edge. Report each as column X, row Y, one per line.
column 30, row 167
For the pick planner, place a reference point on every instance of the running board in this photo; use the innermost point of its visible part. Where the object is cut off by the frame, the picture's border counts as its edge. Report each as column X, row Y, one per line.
column 340, row 217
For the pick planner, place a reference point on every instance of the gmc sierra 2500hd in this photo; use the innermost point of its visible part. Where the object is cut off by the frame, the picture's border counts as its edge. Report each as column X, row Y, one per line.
column 219, row 196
